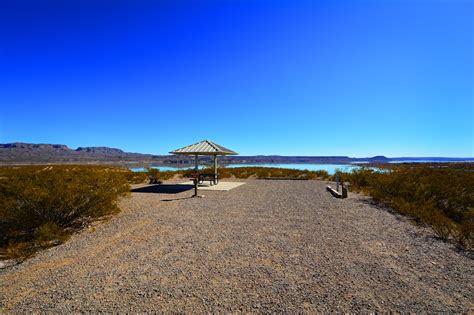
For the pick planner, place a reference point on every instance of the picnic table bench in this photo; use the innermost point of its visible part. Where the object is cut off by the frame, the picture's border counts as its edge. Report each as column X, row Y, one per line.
column 211, row 177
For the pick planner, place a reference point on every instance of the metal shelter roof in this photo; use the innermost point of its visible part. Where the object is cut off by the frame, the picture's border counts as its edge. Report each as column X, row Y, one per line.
column 204, row 147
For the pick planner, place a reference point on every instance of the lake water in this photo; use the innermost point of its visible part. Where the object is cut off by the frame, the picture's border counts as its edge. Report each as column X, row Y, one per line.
column 330, row 168
column 161, row 168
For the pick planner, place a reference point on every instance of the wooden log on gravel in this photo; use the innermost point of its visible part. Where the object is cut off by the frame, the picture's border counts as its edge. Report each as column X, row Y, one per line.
column 334, row 192
column 337, row 194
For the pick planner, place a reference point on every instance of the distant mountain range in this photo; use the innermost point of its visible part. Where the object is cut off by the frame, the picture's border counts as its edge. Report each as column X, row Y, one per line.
column 29, row 153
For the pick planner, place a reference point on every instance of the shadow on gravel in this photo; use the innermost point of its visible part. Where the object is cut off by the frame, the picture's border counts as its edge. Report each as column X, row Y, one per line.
column 176, row 199
column 163, row 189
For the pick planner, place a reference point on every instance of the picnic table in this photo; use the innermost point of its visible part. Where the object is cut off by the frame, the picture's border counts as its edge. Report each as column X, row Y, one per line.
column 200, row 178
column 211, row 177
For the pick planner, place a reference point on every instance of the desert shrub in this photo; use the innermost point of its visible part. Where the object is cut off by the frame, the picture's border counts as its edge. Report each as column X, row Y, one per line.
column 186, row 173
column 440, row 223
column 359, row 178
column 269, row 172
column 135, row 177
column 41, row 205
column 17, row 250
column 465, row 231
column 438, row 195
column 247, row 172
column 155, row 175
column 167, row 174
column 50, row 232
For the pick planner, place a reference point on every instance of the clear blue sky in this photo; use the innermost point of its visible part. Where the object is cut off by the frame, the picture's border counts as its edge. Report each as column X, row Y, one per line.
column 357, row 78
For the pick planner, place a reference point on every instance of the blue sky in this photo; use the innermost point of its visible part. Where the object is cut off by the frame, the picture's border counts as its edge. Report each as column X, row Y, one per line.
column 357, row 78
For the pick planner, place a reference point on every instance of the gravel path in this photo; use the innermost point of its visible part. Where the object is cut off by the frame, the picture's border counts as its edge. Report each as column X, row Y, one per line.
column 266, row 246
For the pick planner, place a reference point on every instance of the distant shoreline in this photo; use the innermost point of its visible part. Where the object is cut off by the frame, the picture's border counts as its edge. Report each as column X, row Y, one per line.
column 178, row 166
column 45, row 154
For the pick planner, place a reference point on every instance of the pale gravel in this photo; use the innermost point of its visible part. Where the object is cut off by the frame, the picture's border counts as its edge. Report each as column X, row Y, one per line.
column 266, row 246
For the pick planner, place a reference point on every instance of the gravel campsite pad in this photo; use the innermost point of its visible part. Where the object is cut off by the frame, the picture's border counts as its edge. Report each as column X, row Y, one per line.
column 266, row 246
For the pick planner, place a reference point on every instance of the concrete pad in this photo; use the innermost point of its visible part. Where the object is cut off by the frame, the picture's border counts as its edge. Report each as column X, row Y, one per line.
column 224, row 186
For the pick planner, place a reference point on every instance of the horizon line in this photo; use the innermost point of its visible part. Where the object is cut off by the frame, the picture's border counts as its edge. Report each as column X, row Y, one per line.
column 246, row 155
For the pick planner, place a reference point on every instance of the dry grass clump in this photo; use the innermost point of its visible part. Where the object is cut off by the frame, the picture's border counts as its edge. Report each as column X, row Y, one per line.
column 42, row 206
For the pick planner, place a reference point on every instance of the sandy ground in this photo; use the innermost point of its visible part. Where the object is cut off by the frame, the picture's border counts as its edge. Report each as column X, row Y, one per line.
column 266, row 246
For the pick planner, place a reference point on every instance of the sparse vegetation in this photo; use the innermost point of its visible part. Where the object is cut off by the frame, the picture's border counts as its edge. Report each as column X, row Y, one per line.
column 258, row 172
column 135, row 177
column 441, row 196
column 41, row 206
column 155, row 175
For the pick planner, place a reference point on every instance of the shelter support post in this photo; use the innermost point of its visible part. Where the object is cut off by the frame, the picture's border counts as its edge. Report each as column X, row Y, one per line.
column 215, row 169
column 196, row 181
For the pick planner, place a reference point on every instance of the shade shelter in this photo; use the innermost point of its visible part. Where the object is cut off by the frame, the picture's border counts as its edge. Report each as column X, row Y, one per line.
column 205, row 147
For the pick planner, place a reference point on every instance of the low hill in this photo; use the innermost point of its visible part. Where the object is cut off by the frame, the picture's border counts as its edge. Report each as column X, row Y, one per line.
column 58, row 153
